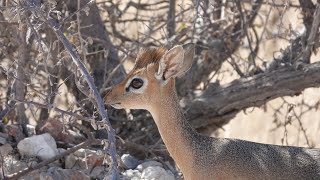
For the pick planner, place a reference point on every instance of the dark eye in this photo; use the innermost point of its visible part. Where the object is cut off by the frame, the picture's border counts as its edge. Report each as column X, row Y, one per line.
column 136, row 83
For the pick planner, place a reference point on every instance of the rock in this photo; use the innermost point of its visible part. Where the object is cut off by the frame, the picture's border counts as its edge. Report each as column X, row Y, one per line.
column 93, row 160
column 146, row 164
column 98, row 172
column 31, row 130
column 84, row 159
column 70, row 161
column 12, row 165
column 109, row 177
column 34, row 175
column 61, row 150
column 42, row 146
column 56, row 129
column 5, row 150
column 131, row 174
column 156, row 173
column 129, row 161
column 58, row 173
column 3, row 138
column 14, row 132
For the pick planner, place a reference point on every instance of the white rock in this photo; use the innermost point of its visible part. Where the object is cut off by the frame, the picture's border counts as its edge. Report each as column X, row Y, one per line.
column 146, row 164
column 129, row 161
column 42, row 146
column 156, row 173
column 132, row 174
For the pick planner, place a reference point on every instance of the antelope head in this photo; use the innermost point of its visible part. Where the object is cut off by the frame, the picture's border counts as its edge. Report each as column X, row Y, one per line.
column 152, row 78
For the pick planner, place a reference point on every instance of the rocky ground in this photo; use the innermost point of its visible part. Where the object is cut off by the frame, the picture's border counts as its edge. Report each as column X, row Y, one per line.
column 84, row 163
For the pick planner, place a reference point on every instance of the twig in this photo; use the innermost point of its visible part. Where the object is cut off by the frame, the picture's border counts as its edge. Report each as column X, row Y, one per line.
column 100, row 105
column 171, row 23
column 304, row 131
column 77, row 11
column 51, row 106
column 313, row 33
column 86, row 143
column 244, row 27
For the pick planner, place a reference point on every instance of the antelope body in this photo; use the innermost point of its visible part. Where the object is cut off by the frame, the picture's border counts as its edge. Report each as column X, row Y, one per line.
column 151, row 86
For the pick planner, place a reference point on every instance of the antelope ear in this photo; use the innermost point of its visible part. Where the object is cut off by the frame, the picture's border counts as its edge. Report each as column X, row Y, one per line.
column 176, row 61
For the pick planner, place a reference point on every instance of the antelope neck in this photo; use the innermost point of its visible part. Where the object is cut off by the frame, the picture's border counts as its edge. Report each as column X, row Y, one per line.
column 174, row 129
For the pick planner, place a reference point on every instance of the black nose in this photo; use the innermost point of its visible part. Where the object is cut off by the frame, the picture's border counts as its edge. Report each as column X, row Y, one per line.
column 106, row 91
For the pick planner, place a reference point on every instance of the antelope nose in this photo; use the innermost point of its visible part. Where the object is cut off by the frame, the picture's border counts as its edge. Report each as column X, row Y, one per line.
column 106, row 92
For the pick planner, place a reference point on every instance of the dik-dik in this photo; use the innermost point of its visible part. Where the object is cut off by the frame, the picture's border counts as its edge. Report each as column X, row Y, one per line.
column 151, row 86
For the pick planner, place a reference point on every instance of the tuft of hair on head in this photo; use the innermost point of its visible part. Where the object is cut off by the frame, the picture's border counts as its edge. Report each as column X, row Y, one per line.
column 148, row 56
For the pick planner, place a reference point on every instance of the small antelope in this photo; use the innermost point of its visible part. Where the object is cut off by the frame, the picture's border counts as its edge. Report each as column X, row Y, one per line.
column 151, row 86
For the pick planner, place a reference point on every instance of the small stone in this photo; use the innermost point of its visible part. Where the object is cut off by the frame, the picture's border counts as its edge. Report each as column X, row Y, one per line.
column 31, row 130
column 84, row 159
column 54, row 173
column 93, row 160
column 32, row 162
column 129, row 161
column 3, row 140
column 34, row 175
column 98, row 172
column 56, row 128
column 70, row 161
column 42, row 146
column 11, row 165
column 146, row 164
column 156, row 173
column 5, row 150
column 109, row 176
column 14, row 132
column 132, row 174
column 61, row 150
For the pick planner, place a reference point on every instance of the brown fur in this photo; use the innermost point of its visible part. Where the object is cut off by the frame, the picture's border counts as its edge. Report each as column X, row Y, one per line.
column 148, row 56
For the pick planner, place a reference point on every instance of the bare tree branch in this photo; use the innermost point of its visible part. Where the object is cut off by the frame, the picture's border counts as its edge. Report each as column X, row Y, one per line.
column 308, row 9
column 219, row 50
column 19, row 88
column 100, row 105
column 219, row 104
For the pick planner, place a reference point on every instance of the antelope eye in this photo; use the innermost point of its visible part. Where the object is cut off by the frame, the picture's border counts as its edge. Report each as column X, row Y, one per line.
column 136, row 83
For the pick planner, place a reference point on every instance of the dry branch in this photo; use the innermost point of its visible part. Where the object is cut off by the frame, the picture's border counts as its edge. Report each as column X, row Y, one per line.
column 100, row 105
column 221, row 103
column 218, row 52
